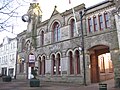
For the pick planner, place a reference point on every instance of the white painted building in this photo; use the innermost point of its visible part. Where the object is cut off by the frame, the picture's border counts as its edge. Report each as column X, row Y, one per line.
column 8, row 52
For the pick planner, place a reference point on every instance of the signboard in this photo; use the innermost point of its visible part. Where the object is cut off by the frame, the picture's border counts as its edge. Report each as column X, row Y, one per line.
column 31, row 58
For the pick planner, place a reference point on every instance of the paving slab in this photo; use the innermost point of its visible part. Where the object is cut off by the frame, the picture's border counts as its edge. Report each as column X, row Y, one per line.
column 24, row 85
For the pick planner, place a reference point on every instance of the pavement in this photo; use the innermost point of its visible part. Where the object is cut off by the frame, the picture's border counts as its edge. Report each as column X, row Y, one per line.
column 24, row 85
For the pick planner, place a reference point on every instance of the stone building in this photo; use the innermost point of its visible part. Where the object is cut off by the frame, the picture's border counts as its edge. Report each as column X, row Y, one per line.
column 82, row 49
column 8, row 52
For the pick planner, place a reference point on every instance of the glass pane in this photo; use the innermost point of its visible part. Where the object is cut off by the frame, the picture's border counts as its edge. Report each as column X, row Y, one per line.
column 58, row 34
column 101, row 18
column 96, row 27
column 73, row 29
column 106, row 16
column 91, row 29
column 107, row 24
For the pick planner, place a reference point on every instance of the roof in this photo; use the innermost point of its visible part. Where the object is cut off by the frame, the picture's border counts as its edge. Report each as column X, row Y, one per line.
column 98, row 4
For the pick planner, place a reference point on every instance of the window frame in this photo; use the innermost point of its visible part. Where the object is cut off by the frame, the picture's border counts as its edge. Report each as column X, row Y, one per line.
column 58, row 68
column 100, row 18
column 53, row 65
column 90, row 25
column 71, row 63
column 43, row 65
column 40, row 66
column 95, row 23
column 72, row 27
column 42, row 38
column 106, row 19
column 23, row 44
column 77, row 57
column 56, row 32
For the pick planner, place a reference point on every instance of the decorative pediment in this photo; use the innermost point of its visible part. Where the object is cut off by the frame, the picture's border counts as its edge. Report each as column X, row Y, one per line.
column 56, row 16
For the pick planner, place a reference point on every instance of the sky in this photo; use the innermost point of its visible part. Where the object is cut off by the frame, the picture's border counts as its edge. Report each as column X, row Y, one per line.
column 47, row 7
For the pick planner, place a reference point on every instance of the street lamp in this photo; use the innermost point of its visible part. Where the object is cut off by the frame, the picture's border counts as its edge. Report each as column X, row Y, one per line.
column 83, row 53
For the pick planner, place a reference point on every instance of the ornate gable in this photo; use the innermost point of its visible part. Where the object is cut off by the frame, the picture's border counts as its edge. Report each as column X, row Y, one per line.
column 55, row 11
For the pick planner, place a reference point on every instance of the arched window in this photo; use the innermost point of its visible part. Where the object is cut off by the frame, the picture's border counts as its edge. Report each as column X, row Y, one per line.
column 77, row 58
column 71, row 63
column 56, row 32
column 23, row 44
column 42, row 38
column 58, row 64
column 40, row 66
column 90, row 25
column 95, row 23
column 106, row 18
column 43, row 65
column 21, row 68
column 28, row 46
column 72, row 27
column 100, row 22
column 53, row 65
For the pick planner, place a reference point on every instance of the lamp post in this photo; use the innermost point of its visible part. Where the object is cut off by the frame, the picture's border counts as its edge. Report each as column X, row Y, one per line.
column 82, row 35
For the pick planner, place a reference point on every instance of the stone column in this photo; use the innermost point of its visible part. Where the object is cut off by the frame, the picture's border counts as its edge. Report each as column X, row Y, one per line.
column 87, row 58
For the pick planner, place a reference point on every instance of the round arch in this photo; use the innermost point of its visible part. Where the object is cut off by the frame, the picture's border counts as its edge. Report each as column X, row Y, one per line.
column 58, row 53
column 51, row 55
column 69, row 20
column 67, row 53
column 39, row 56
column 40, row 30
column 100, row 63
column 53, row 22
column 44, row 56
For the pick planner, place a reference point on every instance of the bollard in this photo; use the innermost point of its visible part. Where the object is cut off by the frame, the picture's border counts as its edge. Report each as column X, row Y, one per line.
column 102, row 86
column 34, row 82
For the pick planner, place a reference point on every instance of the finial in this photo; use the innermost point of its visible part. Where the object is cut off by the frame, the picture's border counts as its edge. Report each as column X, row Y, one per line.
column 55, row 7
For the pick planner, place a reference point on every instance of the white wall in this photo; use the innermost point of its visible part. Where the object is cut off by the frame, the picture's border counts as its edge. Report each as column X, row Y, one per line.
column 8, row 52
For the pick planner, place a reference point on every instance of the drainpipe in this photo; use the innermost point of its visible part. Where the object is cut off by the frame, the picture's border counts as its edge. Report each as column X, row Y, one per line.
column 16, row 59
column 83, row 53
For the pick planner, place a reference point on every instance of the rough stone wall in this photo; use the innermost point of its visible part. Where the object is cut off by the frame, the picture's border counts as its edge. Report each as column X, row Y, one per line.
column 106, row 37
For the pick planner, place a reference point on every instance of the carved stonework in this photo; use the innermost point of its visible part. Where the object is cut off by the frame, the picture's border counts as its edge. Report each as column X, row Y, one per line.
column 117, row 3
column 112, row 19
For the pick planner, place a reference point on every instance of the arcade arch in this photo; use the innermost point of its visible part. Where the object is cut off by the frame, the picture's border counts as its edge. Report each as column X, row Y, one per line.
column 101, row 67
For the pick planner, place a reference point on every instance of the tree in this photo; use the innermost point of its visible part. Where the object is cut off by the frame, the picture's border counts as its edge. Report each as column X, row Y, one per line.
column 9, row 12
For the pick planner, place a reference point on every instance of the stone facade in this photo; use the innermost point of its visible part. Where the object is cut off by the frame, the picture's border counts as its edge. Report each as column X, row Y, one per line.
column 59, row 54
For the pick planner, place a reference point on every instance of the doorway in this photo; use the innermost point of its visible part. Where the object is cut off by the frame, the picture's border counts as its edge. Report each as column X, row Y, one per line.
column 101, row 67
column 4, row 71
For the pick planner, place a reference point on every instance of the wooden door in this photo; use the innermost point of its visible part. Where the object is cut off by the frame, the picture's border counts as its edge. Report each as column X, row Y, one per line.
column 94, row 69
